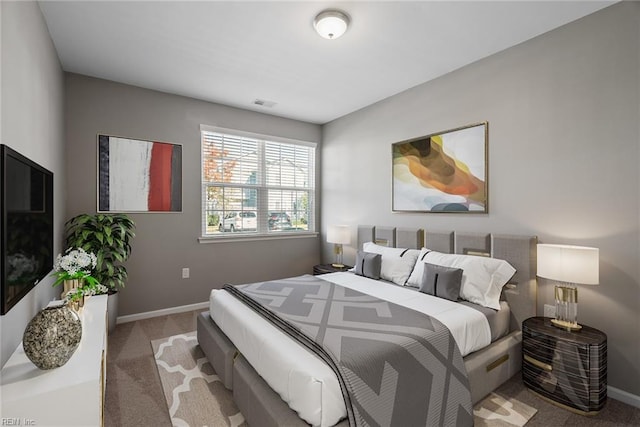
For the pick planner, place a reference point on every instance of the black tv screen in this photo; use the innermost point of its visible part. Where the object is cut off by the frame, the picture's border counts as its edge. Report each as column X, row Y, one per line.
column 27, row 225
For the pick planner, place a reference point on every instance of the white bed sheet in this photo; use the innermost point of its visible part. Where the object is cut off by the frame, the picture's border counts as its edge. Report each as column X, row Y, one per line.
column 301, row 379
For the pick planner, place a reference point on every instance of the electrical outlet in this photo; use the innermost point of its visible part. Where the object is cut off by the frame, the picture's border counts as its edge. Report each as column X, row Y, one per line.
column 185, row 273
column 549, row 310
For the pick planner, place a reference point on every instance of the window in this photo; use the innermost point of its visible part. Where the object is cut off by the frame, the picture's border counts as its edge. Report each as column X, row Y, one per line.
column 256, row 186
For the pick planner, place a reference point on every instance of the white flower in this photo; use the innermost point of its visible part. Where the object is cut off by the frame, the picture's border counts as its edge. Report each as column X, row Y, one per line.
column 75, row 260
column 85, row 291
column 98, row 290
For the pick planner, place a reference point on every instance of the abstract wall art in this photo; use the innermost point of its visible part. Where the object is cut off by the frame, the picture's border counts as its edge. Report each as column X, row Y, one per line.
column 445, row 172
column 139, row 176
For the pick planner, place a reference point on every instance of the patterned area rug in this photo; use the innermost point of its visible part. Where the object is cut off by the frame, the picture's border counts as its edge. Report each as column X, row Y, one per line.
column 196, row 397
column 194, row 393
column 496, row 411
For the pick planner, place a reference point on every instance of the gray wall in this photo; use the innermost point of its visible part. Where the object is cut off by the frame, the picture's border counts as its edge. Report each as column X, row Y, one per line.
column 32, row 99
column 563, row 112
column 167, row 242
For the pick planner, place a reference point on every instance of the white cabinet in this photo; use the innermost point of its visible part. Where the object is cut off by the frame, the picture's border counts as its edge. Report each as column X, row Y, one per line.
column 71, row 395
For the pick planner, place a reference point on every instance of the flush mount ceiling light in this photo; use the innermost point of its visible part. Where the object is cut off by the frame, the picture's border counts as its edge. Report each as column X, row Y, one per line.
column 331, row 23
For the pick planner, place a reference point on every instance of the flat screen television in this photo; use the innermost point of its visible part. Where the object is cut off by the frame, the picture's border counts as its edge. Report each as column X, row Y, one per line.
column 26, row 202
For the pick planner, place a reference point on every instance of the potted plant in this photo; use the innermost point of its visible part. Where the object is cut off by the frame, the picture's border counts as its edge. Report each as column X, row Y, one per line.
column 109, row 237
column 75, row 269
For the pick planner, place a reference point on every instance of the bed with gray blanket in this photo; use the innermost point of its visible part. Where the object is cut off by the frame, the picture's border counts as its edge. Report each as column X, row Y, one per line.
column 403, row 351
column 407, row 392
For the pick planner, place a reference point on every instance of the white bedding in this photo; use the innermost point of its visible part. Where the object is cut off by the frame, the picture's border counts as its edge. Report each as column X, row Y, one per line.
column 301, row 379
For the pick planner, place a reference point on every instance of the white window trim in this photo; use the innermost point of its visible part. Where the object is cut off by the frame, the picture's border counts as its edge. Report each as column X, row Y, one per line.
column 208, row 239
column 261, row 136
column 256, row 237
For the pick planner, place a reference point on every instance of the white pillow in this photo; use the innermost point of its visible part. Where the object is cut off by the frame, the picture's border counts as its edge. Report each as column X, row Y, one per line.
column 415, row 279
column 397, row 263
column 482, row 277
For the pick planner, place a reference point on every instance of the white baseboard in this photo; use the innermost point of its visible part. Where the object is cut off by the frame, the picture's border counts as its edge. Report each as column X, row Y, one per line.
column 623, row 396
column 163, row 312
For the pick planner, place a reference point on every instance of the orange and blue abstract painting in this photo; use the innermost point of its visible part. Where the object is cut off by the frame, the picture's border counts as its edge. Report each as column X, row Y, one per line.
column 442, row 172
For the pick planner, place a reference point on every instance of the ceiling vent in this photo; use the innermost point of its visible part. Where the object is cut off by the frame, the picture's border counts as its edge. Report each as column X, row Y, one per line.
column 264, row 103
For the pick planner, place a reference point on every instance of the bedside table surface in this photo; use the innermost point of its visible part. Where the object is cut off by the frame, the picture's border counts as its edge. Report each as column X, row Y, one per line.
column 328, row 268
column 585, row 336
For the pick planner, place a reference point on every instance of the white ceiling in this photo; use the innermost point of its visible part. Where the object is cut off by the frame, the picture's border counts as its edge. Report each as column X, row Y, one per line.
column 234, row 52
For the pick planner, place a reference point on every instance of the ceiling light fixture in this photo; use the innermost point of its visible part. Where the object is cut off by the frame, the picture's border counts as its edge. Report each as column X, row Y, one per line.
column 331, row 23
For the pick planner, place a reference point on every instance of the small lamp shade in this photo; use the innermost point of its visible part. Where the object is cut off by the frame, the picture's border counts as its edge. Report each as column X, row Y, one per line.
column 571, row 264
column 339, row 234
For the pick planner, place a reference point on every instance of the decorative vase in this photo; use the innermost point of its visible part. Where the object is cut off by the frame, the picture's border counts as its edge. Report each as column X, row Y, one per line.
column 52, row 336
column 76, row 304
column 71, row 284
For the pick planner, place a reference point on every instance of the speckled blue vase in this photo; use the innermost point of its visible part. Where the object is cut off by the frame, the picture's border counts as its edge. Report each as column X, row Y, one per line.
column 52, row 336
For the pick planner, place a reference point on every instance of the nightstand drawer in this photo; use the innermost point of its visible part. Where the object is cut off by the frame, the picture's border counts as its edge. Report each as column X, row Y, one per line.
column 575, row 358
column 567, row 368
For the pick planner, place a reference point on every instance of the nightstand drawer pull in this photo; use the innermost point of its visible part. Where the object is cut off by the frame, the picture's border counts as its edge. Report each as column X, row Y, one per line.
column 538, row 363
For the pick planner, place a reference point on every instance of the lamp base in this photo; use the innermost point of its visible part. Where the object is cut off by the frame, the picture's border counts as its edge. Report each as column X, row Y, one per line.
column 337, row 265
column 568, row 326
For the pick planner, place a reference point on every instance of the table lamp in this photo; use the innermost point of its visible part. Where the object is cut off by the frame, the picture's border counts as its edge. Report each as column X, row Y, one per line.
column 338, row 235
column 569, row 265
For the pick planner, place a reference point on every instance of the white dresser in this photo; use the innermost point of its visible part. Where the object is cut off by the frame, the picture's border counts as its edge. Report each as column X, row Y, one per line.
column 71, row 395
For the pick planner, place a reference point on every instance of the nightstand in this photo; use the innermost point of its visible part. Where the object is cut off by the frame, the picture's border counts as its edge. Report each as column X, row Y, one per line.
column 328, row 268
column 566, row 368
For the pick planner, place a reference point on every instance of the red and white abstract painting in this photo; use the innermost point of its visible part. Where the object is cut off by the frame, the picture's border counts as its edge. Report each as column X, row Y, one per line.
column 139, row 176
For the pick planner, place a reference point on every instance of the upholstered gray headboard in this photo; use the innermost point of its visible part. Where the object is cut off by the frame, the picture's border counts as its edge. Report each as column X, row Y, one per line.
column 519, row 251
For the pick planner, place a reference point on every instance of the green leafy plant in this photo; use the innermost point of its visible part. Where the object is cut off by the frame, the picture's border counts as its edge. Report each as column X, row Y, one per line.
column 109, row 237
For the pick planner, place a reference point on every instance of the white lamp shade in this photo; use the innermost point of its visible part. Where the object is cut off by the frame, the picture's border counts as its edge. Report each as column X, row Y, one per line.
column 572, row 264
column 339, row 234
column 331, row 24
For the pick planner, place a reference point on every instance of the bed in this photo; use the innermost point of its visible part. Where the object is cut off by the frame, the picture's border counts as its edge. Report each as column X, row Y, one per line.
column 239, row 344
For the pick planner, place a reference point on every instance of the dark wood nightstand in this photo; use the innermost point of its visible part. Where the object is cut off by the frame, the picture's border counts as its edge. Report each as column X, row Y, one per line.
column 328, row 268
column 566, row 368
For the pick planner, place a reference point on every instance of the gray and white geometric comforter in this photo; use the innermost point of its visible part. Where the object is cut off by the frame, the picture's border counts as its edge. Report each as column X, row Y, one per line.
column 396, row 366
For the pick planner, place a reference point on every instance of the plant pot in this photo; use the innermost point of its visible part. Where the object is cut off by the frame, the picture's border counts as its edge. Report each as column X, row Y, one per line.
column 52, row 336
column 112, row 309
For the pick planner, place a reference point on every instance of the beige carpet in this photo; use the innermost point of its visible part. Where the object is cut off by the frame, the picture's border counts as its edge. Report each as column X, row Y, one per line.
column 196, row 397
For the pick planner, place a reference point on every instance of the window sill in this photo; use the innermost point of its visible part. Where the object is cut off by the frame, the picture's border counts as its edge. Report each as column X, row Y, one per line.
column 256, row 237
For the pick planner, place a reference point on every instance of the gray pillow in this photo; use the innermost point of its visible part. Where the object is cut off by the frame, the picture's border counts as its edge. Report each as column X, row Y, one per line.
column 443, row 282
column 368, row 265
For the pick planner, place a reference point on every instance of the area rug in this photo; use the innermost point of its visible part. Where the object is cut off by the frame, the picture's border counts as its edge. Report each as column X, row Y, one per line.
column 194, row 393
column 497, row 411
column 196, row 397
